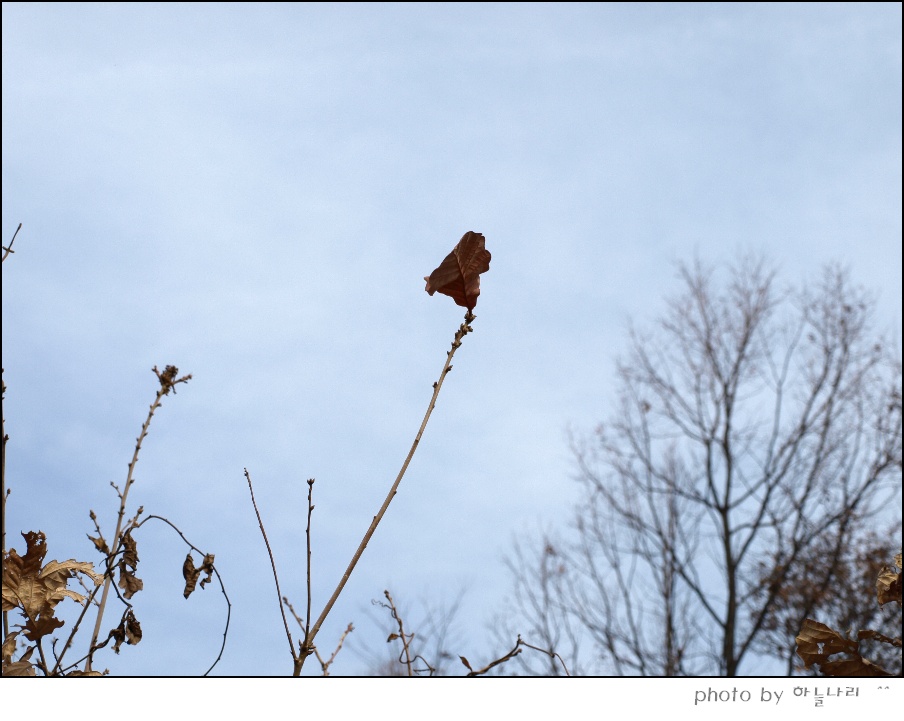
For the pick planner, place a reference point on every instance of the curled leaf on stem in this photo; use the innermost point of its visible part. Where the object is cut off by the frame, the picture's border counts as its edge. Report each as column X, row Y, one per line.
column 192, row 574
column 458, row 276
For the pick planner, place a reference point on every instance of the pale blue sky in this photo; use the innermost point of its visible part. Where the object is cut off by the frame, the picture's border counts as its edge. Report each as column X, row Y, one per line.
column 254, row 193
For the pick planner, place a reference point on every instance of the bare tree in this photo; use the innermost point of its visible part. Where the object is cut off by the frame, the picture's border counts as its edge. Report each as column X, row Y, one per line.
column 540, row 589
column 755, row 430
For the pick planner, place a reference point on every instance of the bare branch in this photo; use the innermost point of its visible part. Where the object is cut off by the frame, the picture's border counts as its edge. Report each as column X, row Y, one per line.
column 279, row 595
column 752, row 428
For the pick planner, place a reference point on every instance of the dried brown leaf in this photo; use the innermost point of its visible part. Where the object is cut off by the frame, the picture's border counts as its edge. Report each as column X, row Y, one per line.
column 191, row 574
column 100, row 544
column 19, row 668
column 816, row 642
column 133, row 629
column 458, row 276
column 22, row 667
column 876, row 636
column 853, row 667
column 128, row 631
column 129, row 583
column 9, row 647
column 128, row 564
column 207, row 567
column 36, row 590
column 130, row 550
column 37, row 628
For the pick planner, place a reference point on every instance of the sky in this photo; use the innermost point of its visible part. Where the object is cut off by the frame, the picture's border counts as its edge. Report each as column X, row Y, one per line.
column 254, row 193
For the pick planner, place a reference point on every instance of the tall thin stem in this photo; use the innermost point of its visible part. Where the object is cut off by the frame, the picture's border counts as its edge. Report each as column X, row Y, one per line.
column 3, row 440
column 308, row 645
column 117, row 541
column 6, row 251
column 168, row 382
column 279, row 595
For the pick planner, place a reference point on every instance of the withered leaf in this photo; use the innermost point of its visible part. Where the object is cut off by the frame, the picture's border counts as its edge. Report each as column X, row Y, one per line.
column 128, row 564
column 37, row 628
column 876, row 636
column 816, row 642
column 130, row 555
column 191, row 574
column 9, row 646
column 100, row 544
column 22, row 667
column 35, row 589
column 207, row 567
column 133, row 629
column 853, row 667
column 128, row 631
column 465, row 662
column 458, row 276
column 19, row 668
column 129, row 583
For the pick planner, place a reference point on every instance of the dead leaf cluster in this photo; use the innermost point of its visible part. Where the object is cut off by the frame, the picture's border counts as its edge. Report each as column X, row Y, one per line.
column 192, row 574
column 35, row 589
column 818, row 643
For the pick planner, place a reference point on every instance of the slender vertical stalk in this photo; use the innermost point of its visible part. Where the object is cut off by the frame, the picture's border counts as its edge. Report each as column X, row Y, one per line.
column 168, row 382
column 3, row 492
column 307, row 618
column 6, row 251
column 308, row 646
column 279, row 595
column 117, row 541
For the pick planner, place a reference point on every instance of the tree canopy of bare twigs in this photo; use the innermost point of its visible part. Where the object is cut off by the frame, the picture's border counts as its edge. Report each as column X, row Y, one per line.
column 755, row 440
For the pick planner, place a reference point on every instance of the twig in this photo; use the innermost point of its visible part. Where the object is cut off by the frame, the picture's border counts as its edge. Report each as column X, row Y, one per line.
column 307, row 621
column 9, row 248
column 325, row 665
column 510, row 655
column 405, row 657
column 3, row 492
column 406, row 638
column 308, row 644
column 219, row 579
column 88, row 601
column 285, row 600
column 548, row 652
column 279, row 595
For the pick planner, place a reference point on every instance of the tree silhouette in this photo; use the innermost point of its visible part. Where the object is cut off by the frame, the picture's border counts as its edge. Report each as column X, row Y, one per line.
column 755, row 430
